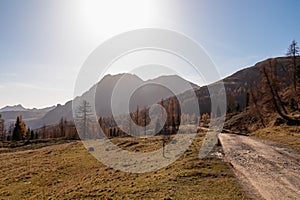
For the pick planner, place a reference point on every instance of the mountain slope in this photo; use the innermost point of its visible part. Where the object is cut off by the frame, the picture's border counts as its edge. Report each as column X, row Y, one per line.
column 146, row 93
column 238, row 85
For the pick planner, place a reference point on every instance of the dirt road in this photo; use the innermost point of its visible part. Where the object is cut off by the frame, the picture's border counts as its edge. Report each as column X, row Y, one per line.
column 266, row 170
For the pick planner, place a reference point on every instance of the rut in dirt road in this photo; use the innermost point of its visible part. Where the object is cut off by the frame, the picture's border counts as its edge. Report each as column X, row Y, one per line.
column 266, row 170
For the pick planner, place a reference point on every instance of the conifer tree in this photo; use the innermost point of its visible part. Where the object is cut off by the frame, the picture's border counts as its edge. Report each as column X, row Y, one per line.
column 84, row 118
column 32, row 136
column 17, row 132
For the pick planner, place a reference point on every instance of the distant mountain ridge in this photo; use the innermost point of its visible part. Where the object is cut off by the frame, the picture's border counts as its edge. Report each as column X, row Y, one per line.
column 236, row 86
column 10, row 113
column 18, row 107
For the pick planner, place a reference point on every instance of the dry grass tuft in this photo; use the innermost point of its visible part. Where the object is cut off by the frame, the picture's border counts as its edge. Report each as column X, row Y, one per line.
column 288, row 135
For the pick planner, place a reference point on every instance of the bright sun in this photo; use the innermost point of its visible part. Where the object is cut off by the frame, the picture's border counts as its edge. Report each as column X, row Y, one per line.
column 107, row 18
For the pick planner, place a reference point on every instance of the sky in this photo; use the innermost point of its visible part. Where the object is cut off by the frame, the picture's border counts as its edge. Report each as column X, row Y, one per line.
column 43, row 44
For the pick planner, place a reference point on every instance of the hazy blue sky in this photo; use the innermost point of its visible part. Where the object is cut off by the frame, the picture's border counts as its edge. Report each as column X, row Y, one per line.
column 44, row 43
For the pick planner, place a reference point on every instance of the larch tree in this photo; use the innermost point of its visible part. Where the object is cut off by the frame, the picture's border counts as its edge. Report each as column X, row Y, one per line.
column 130, row 124
column 145, row 121
column 171, row 115
column 270, row 82
column 293, row 51
column 137, row 121
column 177, row 114
column 137, row 115
column 23, row 128
column 163, row 130
column 84, row 118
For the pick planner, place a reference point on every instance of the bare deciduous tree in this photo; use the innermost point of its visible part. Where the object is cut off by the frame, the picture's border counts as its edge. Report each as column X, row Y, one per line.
column 293, row 51
column 270, row 84
column 84, row 118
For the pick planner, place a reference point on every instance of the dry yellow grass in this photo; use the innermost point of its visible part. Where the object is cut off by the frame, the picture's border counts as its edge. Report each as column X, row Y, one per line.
column 288, row 135
column 68, row 171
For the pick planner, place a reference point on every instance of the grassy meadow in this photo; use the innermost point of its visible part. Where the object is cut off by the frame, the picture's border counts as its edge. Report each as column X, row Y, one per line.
column 69, row 171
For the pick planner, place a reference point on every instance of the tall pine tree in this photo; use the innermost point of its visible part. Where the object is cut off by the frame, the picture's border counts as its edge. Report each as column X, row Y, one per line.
column 17, row 133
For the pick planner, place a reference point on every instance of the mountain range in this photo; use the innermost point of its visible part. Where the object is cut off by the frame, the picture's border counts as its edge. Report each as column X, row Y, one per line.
column 146, row 93
column 236, row 87
column 10, row 113
column 18, row 107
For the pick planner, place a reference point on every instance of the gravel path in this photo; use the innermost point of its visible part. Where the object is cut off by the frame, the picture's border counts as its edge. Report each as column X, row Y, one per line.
column 266, row 170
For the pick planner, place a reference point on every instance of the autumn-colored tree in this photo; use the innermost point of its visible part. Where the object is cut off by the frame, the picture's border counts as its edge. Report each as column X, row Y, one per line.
column 205, row 117
column 23, row 128
column 137, row 120
column 102, row 126
column 177, row 114
column 130, row 124
column 137, row 115
column 171, row 119
column 170, row 111
column 145, row 121
column 163, row 131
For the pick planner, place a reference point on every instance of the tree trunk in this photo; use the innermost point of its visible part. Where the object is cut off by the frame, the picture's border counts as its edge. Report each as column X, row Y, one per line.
column 290, row 120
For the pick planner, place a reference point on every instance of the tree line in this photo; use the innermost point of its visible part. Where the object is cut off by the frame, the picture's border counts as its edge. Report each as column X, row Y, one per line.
column 139, row 117
column 18, row 131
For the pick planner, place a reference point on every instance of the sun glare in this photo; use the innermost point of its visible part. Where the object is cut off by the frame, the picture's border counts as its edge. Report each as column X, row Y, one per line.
column 107, row 18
